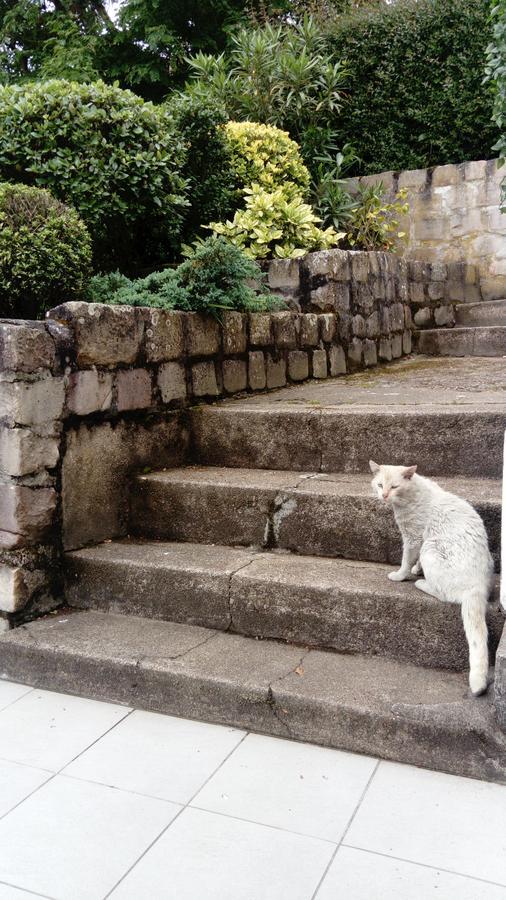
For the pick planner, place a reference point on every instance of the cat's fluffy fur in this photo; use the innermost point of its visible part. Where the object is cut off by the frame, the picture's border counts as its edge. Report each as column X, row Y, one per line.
column 445, row 537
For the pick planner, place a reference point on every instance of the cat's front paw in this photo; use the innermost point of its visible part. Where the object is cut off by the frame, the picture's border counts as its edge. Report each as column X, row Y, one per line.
column 417, row 569
column 397, row 576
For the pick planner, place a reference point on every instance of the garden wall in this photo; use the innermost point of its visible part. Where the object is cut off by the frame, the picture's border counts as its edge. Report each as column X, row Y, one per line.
column 454, row 218
column 97, row 392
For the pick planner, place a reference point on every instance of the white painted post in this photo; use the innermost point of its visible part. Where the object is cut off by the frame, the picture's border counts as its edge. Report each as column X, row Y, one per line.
column 503, row 530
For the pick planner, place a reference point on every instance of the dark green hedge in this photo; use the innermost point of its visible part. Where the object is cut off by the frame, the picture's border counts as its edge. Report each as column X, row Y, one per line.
column 416, row 96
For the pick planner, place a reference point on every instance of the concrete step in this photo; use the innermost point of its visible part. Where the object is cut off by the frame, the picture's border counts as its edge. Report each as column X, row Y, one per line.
column 486, row 312
column 479, row 341
column 367, row 705
column 457, row 439
column 350, row 607
column 314, row 514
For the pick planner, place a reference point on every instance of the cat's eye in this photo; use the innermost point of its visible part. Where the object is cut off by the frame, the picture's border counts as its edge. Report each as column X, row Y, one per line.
column 380, row 485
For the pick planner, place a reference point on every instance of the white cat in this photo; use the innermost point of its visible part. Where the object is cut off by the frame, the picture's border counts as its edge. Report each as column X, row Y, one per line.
column 443, row 535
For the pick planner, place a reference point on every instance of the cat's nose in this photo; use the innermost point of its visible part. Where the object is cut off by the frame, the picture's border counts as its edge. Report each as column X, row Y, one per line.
column 386, row 494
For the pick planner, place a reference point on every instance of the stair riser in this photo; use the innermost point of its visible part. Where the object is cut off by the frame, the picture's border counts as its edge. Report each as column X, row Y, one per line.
column 456, row 443
column 485, row 315
column 477, row 341
column 277, row 711
column 297, row 520
column 423, row 632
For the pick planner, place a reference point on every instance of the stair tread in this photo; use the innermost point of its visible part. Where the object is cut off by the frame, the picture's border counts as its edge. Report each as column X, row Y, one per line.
column 473, row 489
column 263, row 685
column 483, row 304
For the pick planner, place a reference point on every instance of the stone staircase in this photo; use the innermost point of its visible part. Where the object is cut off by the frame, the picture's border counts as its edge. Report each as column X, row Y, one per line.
column 480, row 330
column 253, row 590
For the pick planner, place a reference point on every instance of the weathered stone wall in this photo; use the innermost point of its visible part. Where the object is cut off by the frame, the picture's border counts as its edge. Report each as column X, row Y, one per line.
column 436, row 288
column 454, row 218
column 96, row 392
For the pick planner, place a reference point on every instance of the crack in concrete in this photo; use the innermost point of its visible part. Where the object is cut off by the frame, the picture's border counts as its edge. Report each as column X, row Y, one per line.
column 144, row 657
column 271, row 699
column 229, row 590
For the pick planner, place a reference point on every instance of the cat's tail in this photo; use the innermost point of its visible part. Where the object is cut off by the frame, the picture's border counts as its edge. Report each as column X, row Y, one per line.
column 474, row 609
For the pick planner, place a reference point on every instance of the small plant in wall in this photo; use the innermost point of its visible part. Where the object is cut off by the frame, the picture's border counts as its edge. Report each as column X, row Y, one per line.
column 276, row 223
column 376, row 224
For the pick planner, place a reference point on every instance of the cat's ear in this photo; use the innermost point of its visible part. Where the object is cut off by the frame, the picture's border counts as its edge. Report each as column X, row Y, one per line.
column 409, row 472
column 373, row 467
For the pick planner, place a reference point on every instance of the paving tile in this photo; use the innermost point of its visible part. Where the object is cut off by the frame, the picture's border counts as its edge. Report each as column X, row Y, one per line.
column 74, row 839
column 10, row 692
column 204, row 855
column 299, row 787
column 359, row 875
column 48, row 730
column 434, row 819
column 16, row 782
column 161, row 756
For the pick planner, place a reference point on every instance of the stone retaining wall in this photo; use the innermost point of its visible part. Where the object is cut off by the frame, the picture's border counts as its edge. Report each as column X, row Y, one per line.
column 97, row 392
column 454, row 218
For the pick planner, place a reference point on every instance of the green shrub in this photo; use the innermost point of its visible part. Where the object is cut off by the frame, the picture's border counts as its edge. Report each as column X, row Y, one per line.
column 115, row 158
column 415, row 93
column 375, row 224
column 266, row 155
column 45, row 252
column 496, row 75
column 216, row 276
column 275, row 224
column 208, row 169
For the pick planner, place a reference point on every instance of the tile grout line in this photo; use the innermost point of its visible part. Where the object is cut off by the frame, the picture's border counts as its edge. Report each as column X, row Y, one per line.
column 183, row 808
column 345, row 832
column 303, row 834
column 12, row 702
column 421, row 865
column 27, row 891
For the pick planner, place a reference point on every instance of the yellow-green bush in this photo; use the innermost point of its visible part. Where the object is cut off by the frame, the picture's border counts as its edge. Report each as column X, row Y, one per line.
column 265, row 155
column 275, row 224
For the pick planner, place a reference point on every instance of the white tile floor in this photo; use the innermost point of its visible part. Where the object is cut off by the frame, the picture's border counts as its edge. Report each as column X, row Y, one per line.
column 98, row 800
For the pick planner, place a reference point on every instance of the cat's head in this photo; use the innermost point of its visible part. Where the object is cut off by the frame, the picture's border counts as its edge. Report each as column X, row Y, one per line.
column 391, row 483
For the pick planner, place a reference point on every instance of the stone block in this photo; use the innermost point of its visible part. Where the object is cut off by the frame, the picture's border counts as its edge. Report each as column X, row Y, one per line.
column 385, row 326
column 337, row 361
column 370, row 353
column 445, row 175
column 414, row 180
column 372, row 325
column 385, row 349
column 444, row 315
column 26, row 511
column 256, row 371
column 204, row 380
column 17, row 586
column 360, row 265
column 164, row 335
column 423, row 317
column 408, row 321
column 344, row 327
column 298, row 365
column 406, row 341
column 32, row 402
column 355, row 352
column 309, row 335
column 325, row 297
column 378, row 288
column 475, row 170
column 430, row 229
column 285, row 329
column 276, row 372
column 284, row 275
column 493, row 288
column 397, row 317
column 235, row 378
column 134, row 390
column 419, row 271
column 396, row 346
column 26, row 347
column 438, row 271
column 171, row 380
column 332, row 263
column 363, row 300
column 103, row 335
column 436, row 290
column 319, row 364
column 234, row 333
column 416, row 292
column 24, row 452
column 202, row 335
column 260, row 329
column 89, row 391
column 328, row 326
column 358, row 326
column 470, row 274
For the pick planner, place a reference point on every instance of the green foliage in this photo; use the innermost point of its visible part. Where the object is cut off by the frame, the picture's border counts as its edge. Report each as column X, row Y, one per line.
column 279, row 75
column 415, row 90
column 495, row 73
column 374, row 224
column 275, row 224
column 208, row 169
column 216, row 276
column 45, row 252
column 267, row 156
column 116, row 159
